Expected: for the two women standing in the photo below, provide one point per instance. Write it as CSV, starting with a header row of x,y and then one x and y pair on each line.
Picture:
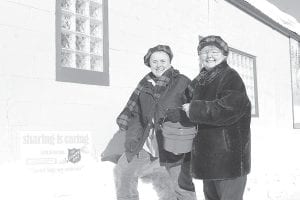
x,y
215,102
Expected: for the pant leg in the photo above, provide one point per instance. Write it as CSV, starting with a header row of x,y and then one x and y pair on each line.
x,y
185,179
160,179
210,190
126,176
150,167
231,189
181,194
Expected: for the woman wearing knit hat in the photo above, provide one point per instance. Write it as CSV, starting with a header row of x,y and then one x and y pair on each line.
x,y
220,108
140,121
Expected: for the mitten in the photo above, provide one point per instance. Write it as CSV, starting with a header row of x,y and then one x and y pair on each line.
x,y
173,115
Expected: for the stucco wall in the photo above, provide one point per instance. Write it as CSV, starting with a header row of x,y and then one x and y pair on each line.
x,y
31,99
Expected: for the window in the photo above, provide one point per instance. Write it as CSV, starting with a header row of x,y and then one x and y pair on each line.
x,y
295,70
82,41
245,65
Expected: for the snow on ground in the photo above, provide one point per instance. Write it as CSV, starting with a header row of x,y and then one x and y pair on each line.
x,y
93,182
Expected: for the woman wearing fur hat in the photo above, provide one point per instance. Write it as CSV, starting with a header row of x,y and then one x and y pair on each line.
x,y
140,120
222,111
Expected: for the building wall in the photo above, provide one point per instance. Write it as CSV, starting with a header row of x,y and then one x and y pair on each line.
x,y
31,99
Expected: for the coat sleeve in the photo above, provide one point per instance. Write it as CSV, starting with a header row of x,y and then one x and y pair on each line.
x,y
229,106
185,97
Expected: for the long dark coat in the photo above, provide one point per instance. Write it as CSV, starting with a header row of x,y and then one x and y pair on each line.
x,y
222,111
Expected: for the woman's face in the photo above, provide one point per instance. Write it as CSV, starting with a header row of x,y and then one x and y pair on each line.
x,y
210,56
159,63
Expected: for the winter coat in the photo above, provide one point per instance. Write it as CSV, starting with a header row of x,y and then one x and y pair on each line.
x,y
152,108
222,111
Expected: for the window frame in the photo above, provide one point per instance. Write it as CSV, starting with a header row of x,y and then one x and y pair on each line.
x,y
254,73
74,75
295,80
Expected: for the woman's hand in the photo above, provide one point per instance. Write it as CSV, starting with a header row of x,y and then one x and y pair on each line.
x,y
173,115
186,109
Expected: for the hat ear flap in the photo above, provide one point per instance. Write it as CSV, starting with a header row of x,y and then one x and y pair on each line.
x,y
147,58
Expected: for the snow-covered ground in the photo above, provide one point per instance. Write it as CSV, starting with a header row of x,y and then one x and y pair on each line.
x,y
94,181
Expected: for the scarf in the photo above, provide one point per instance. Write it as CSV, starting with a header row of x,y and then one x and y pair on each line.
x,y
206,76
161,84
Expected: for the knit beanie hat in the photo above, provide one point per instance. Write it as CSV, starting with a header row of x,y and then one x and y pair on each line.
x,y
215,41
164,48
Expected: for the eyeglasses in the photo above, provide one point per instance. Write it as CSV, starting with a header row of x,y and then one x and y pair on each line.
x,y
212,52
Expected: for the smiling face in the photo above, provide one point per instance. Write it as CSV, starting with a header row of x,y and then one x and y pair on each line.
x,y
159,63
210,56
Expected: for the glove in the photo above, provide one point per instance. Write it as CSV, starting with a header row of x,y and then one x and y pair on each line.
x,y
173,115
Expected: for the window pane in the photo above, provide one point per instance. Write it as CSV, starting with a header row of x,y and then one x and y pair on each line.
x,y
67,59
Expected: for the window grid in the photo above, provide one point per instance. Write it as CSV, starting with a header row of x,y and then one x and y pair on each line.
x,y
82,43
245,65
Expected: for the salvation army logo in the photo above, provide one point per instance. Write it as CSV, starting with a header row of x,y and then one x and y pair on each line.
x,y
74,155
